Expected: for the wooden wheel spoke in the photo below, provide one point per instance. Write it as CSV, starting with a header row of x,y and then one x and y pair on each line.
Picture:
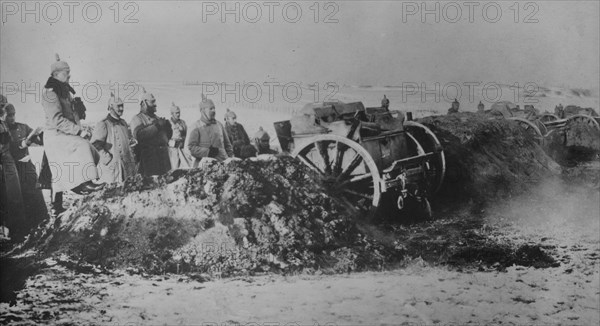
x,y
356,179
310,164
359,194
360,177
339,154
347,171
322,149
356,160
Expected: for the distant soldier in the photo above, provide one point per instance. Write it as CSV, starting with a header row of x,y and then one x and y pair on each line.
x,y
112,138
455,107
480,107
262,140
152,134
177,141
238,137
208,137
559,111
530,112
385,103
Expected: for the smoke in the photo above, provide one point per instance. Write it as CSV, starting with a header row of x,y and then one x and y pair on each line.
x,y
554,210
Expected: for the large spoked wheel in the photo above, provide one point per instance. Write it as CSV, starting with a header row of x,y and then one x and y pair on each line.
x,y
581,119
436,166
347,170
531,128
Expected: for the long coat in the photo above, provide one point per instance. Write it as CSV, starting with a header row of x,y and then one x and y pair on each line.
x,y
11,200
179,133
152,150
113,136
238,138
179,160
204,136
33,199
72,157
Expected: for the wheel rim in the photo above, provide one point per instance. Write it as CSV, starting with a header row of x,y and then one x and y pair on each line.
x,y
346,170
583,119
429,143
531,128
541,127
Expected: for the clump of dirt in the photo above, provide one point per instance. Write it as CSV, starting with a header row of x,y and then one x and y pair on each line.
x,y
468,243
502,256
487,159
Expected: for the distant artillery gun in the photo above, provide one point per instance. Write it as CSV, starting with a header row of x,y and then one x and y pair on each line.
x,y
526,118
569,117
362,155
542,125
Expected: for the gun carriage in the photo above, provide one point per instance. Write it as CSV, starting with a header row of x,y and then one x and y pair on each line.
x,y
366,155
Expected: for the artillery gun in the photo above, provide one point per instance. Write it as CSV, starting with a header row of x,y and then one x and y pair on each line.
x,y
542,125
365,156
526,118
568,117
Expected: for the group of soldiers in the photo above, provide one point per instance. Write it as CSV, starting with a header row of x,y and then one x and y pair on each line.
x,y
82,161
529,110
455,107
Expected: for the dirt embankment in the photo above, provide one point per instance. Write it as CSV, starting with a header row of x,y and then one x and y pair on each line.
x,y
487,159
225,218
577,143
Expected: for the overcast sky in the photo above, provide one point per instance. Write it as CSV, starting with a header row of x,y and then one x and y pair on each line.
x,y
372,42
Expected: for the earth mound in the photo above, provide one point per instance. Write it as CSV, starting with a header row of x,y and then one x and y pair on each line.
x,y
578,143
243,216
487,159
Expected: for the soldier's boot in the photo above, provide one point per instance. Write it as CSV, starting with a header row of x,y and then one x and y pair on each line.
x,y
56,206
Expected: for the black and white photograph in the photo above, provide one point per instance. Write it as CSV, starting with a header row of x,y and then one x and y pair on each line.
x,y
302,162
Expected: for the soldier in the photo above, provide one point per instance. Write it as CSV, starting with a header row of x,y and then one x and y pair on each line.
x,y
531,112
152,134
385,103
112,138
177,141
454,108
559,111
11,199
22,136
238,137
65,140
262,142
480,107
208,137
